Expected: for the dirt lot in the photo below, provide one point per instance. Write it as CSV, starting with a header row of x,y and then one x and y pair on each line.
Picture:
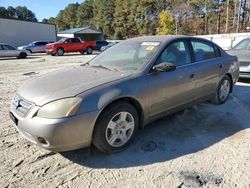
x,y
203,146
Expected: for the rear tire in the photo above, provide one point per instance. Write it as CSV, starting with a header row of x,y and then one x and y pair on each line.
x,y
89,50
116,127
60,51
223,90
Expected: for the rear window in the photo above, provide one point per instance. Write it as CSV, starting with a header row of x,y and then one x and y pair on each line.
x,y
243,45
75,40
204,51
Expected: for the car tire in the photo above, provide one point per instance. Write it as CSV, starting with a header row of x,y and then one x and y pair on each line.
x,y
116,127
223,90
60,51
89,50
22,55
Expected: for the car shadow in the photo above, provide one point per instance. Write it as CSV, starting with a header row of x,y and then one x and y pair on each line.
x,y
17,59
171,137
78,54
244,80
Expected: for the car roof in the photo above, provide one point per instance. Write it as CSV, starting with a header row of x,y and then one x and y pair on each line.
x,y
159,38
163,38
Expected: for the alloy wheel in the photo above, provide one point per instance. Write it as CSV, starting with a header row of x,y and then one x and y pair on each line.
x,y
120,129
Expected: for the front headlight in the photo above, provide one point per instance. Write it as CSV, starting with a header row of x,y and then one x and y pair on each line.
x,y
61,108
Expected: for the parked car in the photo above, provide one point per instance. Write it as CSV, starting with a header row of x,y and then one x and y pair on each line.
x,y
242,51
100,44
105,101
66,45
108,46
9,51
35,47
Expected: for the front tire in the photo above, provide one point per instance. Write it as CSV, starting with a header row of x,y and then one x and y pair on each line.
x,y
116,127
60,51
223,90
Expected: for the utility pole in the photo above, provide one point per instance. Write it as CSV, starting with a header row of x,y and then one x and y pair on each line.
x,y
226,30
238,20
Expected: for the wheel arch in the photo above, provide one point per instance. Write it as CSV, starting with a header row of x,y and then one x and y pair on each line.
x,y
59,47
231,79
131,100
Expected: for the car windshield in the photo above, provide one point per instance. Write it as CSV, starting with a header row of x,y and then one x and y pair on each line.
x,y
127,56
61,40
243,45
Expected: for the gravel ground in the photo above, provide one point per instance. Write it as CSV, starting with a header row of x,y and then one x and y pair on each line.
x,y
203,146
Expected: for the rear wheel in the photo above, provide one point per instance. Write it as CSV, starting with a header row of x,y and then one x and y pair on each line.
x,y
116,127
60,51
223,90
89,50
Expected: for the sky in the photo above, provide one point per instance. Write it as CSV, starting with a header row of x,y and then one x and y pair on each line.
x,y
41,8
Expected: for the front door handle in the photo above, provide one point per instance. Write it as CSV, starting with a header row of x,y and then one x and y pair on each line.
x,y
221,65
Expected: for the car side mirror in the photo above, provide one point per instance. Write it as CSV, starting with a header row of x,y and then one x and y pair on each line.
x,y
164,67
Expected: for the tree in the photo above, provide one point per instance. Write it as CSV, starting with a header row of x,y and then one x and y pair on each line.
x,y
166,23
11,12
85,13
23,13
3,12
104,16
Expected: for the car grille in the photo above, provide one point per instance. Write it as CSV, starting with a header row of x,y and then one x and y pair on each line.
x,y
21,106
244,63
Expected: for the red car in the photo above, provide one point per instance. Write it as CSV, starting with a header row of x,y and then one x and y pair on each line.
x,y
66,45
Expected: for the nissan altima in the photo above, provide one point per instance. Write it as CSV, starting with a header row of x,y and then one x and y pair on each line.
x,y
106,101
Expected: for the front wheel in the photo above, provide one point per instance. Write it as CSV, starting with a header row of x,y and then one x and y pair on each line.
x,y
116,127
223,90
60,51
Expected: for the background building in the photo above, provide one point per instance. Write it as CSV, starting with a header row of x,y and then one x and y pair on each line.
x,y
85,33
17,32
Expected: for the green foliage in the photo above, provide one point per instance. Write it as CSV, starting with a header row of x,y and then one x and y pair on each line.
x,y
121,19
104,16
166,23
21,13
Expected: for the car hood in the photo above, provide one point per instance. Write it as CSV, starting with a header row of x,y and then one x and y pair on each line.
x,y
66,83
241,54
21,47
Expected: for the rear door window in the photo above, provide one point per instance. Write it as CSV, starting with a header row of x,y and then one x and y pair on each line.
x,y
41,43
204,50
76,40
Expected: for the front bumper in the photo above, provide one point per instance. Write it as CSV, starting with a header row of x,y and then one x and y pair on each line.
x,y
56,134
